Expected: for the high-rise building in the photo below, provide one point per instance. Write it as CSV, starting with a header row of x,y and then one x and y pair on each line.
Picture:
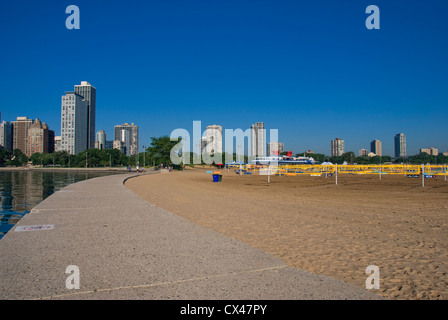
x,y
119,145
275,148
431,151
203,144
363,152
40,139
337,147
109,144
258,135
376,147
100,142
57,143
20,133
74,123
6,135
400,145
88,92
214,139
128,134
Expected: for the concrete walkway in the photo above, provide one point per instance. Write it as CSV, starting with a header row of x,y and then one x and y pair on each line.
x,y
127,248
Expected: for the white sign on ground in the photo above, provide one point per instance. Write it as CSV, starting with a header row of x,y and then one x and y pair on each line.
x,y
35,228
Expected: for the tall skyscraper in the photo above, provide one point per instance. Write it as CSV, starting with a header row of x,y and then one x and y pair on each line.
x,y
376,147
275,148
400,145
214,139
6,135
337,147
74,123
258,135
88,91
128,134
20,133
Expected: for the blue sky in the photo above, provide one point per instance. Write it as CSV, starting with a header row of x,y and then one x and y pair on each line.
x,y
310,69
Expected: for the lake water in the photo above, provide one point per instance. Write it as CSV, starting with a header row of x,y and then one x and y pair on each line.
x,y
21,190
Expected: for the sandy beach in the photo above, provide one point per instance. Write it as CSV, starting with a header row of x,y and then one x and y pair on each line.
x,y
315,225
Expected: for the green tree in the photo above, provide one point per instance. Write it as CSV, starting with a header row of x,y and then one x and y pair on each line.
x,y
18,158
5,156
160,150
348,157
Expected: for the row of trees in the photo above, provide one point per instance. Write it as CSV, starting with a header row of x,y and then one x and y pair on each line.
x,y
349,157
159,152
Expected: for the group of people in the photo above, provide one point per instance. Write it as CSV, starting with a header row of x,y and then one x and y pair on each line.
x,y
142,169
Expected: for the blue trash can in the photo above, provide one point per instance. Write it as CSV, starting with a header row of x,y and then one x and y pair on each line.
x,y
215,178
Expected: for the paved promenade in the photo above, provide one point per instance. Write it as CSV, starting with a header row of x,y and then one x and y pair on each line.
x,y
127,248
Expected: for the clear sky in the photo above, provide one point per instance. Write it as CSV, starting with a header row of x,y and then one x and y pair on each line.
x,y
310,69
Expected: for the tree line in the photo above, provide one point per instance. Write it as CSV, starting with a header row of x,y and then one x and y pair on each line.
x,y
351,158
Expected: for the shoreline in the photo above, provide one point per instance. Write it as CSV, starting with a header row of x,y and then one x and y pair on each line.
x,y
152,255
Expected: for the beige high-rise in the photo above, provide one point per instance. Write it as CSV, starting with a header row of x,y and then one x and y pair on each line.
x,y
20,133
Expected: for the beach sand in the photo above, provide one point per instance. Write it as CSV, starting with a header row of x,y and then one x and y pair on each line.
x,y
315,225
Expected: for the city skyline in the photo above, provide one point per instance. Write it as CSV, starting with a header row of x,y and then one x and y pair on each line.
x,y
337,145
312,71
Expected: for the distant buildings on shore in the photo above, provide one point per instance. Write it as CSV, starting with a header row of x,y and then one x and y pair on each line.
x,y
212,141
27,135
275,148
128,135
376,147
400,145
258,143
78,117
431,151
74,123
337,147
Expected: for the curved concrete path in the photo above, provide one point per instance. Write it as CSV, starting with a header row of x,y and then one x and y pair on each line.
x,y
127,248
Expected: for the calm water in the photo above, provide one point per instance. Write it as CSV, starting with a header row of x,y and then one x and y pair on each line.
x,y
20,191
